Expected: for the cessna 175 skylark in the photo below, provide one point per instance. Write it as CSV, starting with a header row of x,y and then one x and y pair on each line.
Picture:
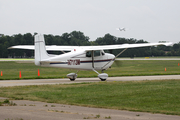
x,y
80,57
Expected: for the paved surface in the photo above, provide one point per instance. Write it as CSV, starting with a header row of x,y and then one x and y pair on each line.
x,y
33,110
5,83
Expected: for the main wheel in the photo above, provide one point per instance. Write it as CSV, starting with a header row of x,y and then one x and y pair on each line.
x,y
103,79
72,79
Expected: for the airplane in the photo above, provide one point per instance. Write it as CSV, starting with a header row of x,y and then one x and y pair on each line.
x,y
80,57
121,29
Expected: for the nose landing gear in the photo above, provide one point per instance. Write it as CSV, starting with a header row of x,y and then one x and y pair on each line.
x,y
102,76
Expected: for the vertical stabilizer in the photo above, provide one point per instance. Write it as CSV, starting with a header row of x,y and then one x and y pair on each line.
x,y
40,49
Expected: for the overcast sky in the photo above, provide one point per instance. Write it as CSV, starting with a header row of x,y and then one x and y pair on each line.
x,y
150,20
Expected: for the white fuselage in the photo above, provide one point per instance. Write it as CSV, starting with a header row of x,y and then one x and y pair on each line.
x,y
80,60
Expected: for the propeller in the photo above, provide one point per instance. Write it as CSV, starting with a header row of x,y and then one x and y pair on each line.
x,y
118,63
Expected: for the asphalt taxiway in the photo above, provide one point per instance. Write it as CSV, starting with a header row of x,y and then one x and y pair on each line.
x,y
6,83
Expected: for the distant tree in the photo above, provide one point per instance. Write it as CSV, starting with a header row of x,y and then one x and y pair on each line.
x,y
78,38
106,40
28,39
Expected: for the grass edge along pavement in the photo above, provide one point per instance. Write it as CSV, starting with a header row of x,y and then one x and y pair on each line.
x,y
142,96
11,69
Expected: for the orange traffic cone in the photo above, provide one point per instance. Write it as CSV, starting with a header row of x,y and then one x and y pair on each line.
x,y
1,73
38,73
178,64
19,74
165,69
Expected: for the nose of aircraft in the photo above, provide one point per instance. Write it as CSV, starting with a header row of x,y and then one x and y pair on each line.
x,y
111,56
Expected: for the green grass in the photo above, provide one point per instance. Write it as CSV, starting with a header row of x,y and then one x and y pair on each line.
x,y
145,96
11,69
145,67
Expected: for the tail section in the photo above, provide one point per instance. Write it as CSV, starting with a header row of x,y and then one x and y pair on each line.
x,y
40,49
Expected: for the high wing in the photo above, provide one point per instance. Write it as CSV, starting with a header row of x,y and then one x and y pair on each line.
x,y
49,48
124,46
89,48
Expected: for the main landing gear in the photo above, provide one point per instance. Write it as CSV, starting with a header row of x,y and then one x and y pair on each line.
x,y
72,76
102,76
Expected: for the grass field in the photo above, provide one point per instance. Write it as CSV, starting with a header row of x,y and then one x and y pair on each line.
x,y
145,96
10,69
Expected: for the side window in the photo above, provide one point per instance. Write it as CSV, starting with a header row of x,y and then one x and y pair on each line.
x,y
88,54
96,53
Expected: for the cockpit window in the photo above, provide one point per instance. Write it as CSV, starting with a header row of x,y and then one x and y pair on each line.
x,y
96,53
88,54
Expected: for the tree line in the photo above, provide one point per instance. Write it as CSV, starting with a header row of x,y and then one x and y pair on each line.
x,y
77,38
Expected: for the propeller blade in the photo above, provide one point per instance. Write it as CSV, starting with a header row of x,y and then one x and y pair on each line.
x,y
118,63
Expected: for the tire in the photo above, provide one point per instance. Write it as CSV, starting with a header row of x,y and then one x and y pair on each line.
x,y
103,79
72,79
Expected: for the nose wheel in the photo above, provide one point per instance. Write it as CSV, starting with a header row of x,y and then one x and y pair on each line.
x,y
102,76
